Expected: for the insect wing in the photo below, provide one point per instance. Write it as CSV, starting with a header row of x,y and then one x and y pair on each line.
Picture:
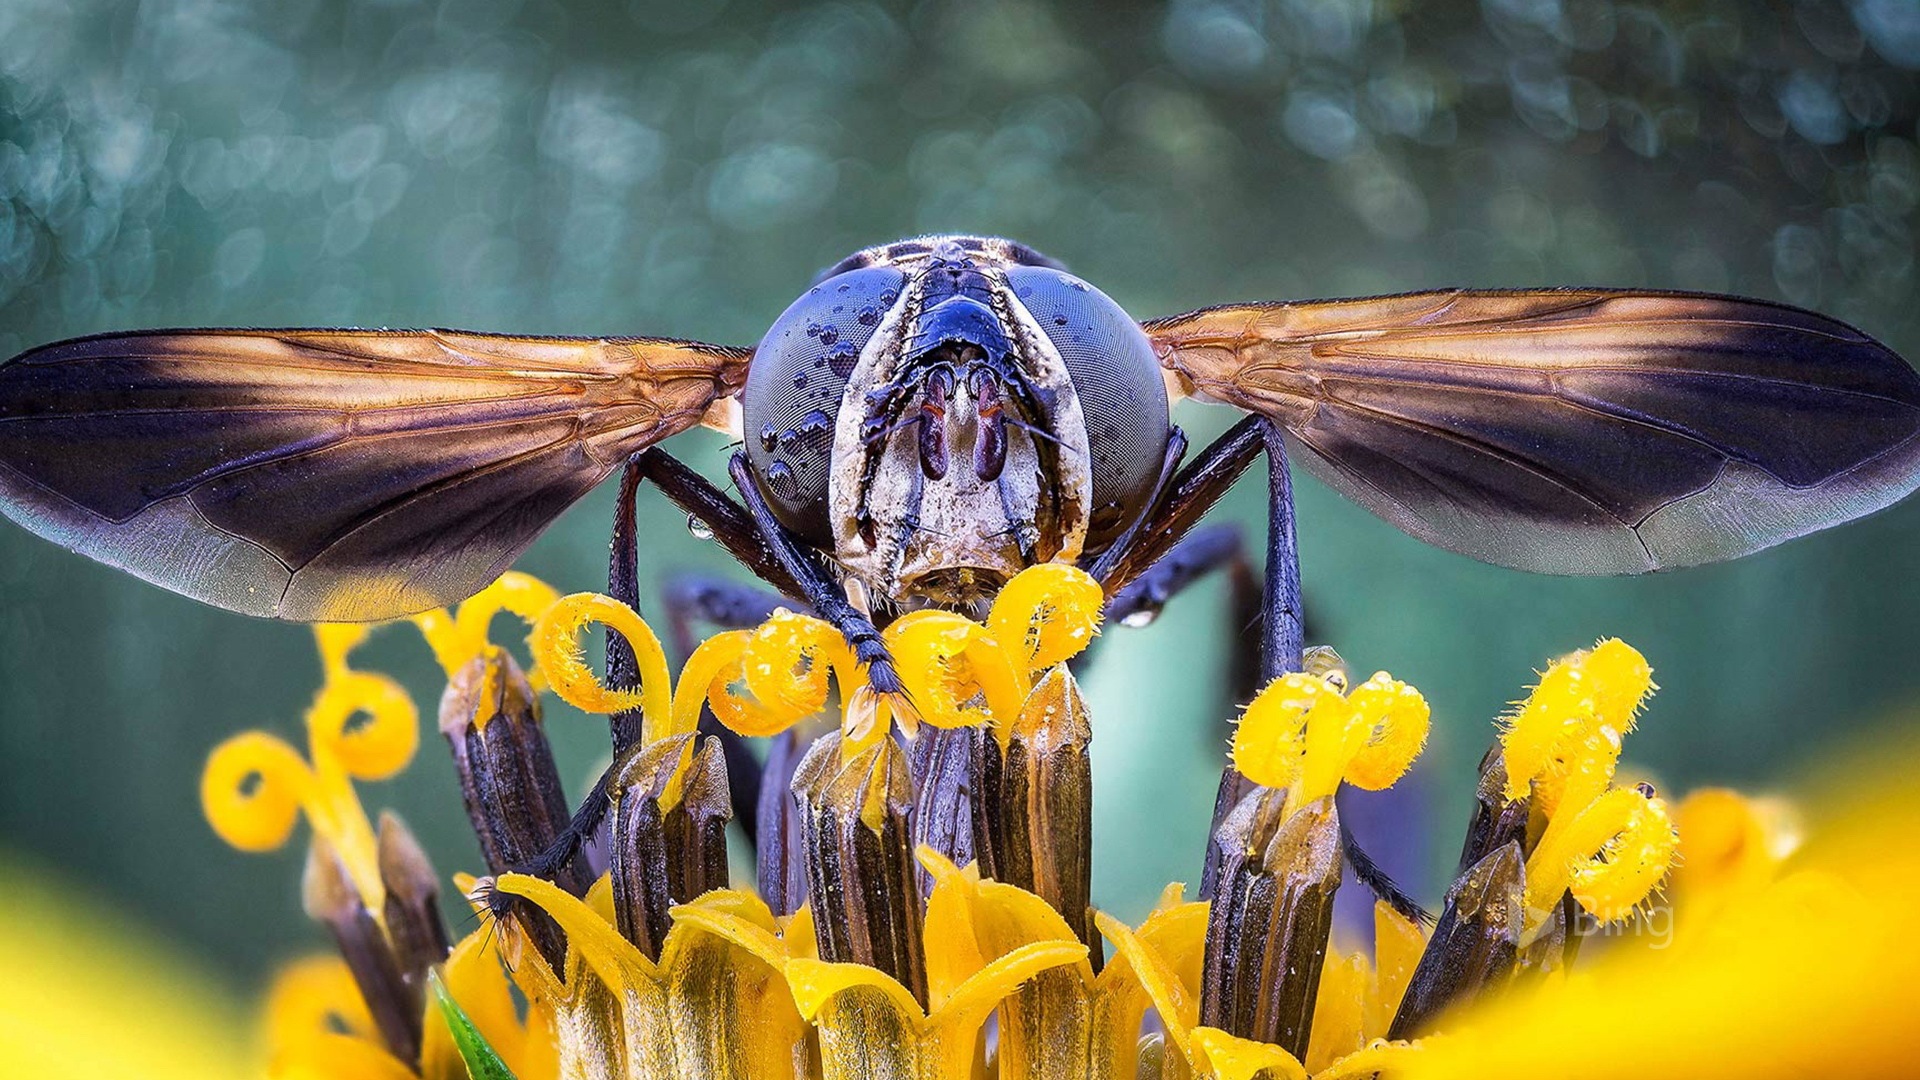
x,y
330,475
1572,431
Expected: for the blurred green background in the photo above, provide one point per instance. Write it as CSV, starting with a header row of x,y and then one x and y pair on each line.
x,y
682,167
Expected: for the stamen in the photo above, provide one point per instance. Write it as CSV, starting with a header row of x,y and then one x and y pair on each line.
x,y
1474,945
508,779
1034,800
414,926
1270,920
862,877
328,896
670,811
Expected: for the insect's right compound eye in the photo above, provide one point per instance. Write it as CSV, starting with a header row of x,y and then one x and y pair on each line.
x,y
792,398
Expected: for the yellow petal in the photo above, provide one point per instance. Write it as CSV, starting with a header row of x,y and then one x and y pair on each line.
x,y
817,982
1178,1007
613,958
87,995
1229,1057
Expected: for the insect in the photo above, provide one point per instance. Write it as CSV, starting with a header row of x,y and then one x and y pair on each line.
x,y
935,414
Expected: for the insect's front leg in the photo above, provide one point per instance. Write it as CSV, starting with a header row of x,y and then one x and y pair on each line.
x,y
817,587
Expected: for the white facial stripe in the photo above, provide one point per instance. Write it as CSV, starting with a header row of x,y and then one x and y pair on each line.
x,y
923,526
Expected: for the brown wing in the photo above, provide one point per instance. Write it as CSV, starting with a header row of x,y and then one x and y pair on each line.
x,y
330,474
1563,431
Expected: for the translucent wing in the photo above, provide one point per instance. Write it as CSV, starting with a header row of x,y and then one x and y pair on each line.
x,y
330,474
1572,431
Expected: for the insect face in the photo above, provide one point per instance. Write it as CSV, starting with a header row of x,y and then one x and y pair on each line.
x,y
960,449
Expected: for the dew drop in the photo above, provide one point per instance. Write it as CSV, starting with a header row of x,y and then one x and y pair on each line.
x,y
769,435
1135,620
799,380
841,360
698,528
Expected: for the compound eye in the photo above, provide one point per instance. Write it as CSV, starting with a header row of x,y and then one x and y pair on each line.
x,y
791,402
1117,377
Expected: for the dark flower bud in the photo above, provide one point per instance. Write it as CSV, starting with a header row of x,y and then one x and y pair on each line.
x,y
329,898
670,811
858,847
414,926
491,719
1033,822
1271,916
1474,945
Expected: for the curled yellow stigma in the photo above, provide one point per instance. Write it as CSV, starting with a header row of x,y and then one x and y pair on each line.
x,y
361,726
458,636
957,672
961,673
1302,734
1610,847
1569,728
1611,854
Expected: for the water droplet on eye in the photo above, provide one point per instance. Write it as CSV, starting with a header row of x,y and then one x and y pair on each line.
x,y
1134,620
844,287
780,474
789,442
1059,320
825,333
698,528
889,297
815,423
799,380
869,315
769,435
841,360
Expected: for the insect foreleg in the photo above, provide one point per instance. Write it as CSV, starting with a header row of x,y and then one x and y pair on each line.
x,y
1183,501
733,528
817,587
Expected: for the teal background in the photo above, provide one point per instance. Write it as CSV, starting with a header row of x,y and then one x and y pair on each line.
x,y
683,168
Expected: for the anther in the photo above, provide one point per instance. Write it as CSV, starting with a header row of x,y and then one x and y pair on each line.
x,y
1033,821
1474,945
670,811
328,897
508,779
414,926
858,848
1271,917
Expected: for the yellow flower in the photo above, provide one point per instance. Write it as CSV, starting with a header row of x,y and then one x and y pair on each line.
x,y
658,971
710,1007
1805,968
86,994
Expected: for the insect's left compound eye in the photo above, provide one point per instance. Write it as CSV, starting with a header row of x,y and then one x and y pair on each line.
x,y
792,397
1117,378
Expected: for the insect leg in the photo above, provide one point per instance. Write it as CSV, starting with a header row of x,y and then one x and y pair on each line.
x,y
732,526
817,587
736,532
1192,492
1185,498
1217,548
